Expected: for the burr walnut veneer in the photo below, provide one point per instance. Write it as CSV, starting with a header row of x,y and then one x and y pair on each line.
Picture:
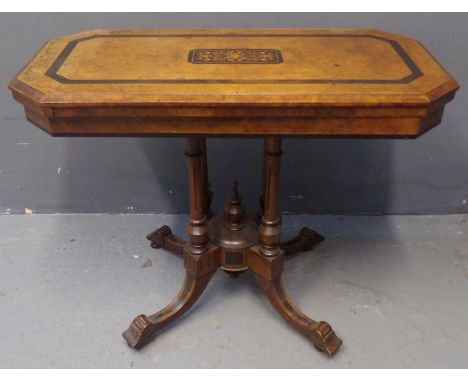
x,y
227,82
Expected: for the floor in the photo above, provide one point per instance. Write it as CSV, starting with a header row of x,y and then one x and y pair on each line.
x,y
393,288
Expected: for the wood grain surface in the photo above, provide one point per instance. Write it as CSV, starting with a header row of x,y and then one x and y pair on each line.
x,y
234,82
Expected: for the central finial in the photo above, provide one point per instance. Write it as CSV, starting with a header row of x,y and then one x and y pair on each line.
x,y
234,210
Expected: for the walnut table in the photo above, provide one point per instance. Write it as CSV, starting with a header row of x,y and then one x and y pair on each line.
x,y
238,83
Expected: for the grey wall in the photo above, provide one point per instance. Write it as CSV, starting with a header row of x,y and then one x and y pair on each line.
x,y
141,175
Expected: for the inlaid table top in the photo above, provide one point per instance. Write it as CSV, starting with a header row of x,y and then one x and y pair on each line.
x,y
349,82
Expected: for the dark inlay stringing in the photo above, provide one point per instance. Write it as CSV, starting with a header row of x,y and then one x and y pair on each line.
x,y
52,72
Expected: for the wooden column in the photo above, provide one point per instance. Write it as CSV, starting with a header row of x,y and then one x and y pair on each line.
x,y
270,228
197,228
261,197
207,194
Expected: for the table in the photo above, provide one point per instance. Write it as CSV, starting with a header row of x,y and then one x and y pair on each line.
x,y
201,83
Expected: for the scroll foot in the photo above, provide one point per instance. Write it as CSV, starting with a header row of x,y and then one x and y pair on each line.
x,y
144,328
304,241
325,339
199,270
320,333
141,331
164,238
268,272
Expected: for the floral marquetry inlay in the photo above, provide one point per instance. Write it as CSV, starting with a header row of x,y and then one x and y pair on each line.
x,y
235,56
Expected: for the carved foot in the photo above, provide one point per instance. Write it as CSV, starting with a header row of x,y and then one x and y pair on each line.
x,y
141,330
304,241
164,238
268,272
324,338
144,328
320,333
199,270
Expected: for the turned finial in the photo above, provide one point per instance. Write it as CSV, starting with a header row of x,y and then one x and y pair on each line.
x,y
234,209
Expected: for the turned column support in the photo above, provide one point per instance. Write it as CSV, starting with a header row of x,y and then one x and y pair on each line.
x,y
261,196
270,227
207,194
233,243
197,228
201,259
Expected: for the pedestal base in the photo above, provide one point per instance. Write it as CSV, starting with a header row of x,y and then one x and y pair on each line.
x,y
235,244
304,241
267,272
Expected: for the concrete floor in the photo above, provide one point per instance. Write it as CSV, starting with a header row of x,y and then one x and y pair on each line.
x,y
394,289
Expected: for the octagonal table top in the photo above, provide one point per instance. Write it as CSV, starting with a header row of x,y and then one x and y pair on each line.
x,y
349,82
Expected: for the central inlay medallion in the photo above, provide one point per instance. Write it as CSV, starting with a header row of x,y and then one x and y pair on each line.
x,y
235,56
